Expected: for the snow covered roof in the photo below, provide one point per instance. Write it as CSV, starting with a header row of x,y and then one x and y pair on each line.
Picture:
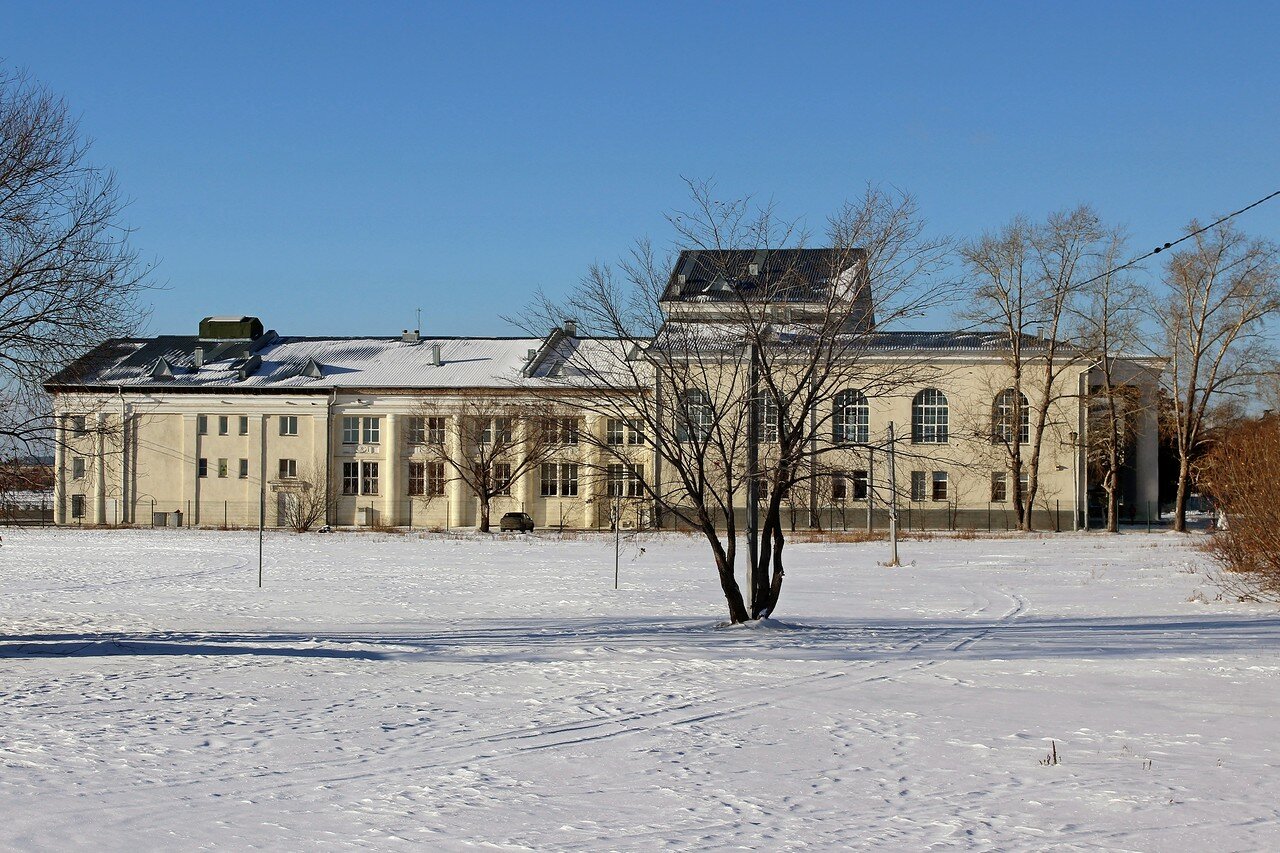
x,y
303,364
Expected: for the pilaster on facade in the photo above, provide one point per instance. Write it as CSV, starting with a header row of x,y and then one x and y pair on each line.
x,y
457,487
60,470
395,465
100,470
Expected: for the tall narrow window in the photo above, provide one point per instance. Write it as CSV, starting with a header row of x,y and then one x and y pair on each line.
x,y
371,431
224,424
939,486
767,415
351,478
850,418
696,416
368,478
77,506
244,424
417,479
501,478
1010,407
202,424
999,487
223,469
859,485
919,484
435,479
929,416
839,488
202,467
77,468
244,469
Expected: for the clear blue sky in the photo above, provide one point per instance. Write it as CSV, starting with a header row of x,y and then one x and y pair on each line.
x,y
331,167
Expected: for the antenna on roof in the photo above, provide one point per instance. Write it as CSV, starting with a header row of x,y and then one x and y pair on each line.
x,y
417,313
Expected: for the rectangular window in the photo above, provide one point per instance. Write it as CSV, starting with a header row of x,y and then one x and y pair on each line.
x,y
288,469
999,487
839,488
244,424
435,430
501,478
288,424
559,479
918,481
859,485
561,432
369,478
202,467
625,481
939,485
223,469
416,433
202,424
496,431
351,478
371,431
224,424
77,506
435,479
244,469
618,431
417,479
350,431
78,425
77,468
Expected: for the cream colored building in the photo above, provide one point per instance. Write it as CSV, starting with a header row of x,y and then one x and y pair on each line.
x,y
233,422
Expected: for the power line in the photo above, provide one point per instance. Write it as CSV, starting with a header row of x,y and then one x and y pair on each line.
x,y
1158,249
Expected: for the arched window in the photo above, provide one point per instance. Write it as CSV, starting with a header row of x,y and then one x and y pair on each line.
x,y
695,415
850,418
929,417
1010,406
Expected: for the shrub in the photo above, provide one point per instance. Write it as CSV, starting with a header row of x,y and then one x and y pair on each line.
x,y
1241,474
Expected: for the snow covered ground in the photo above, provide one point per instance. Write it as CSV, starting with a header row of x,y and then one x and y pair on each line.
x,y
384,690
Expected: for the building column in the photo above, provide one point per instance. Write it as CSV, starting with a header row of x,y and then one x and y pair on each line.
x,y
395,485
457,488
100,471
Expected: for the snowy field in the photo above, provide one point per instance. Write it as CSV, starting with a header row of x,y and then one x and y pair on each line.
x,y
385,691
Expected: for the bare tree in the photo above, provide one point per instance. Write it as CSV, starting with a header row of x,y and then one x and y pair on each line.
x,y
1220,294
305,499
1109,317
68,278
1027,280
494,443
766,343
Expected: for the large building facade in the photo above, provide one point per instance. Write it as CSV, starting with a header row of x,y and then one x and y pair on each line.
x,y
238,424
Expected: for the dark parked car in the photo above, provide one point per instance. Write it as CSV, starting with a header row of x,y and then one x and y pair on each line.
x,y
520,522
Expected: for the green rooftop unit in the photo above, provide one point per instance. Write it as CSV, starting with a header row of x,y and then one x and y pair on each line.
x,y
230,328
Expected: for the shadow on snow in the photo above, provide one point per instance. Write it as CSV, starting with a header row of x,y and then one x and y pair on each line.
x,y
538,640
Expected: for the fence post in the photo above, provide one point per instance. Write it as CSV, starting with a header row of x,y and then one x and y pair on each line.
x,y
1148,516
988,516
1057,516
153,512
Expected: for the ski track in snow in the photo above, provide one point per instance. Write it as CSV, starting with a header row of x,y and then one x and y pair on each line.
x,y
463,693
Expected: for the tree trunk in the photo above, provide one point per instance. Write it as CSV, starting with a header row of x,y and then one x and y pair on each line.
x,y
1113,502
1184,485
728,583
484,515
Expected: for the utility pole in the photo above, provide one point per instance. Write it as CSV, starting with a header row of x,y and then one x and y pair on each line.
x,y
262,496
871,465
893,501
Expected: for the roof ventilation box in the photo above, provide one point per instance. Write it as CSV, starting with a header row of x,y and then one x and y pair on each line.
x,y
230,328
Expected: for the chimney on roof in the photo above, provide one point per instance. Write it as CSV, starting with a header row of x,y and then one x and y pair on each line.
x,y
435,354
570,328
197,358
410,337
